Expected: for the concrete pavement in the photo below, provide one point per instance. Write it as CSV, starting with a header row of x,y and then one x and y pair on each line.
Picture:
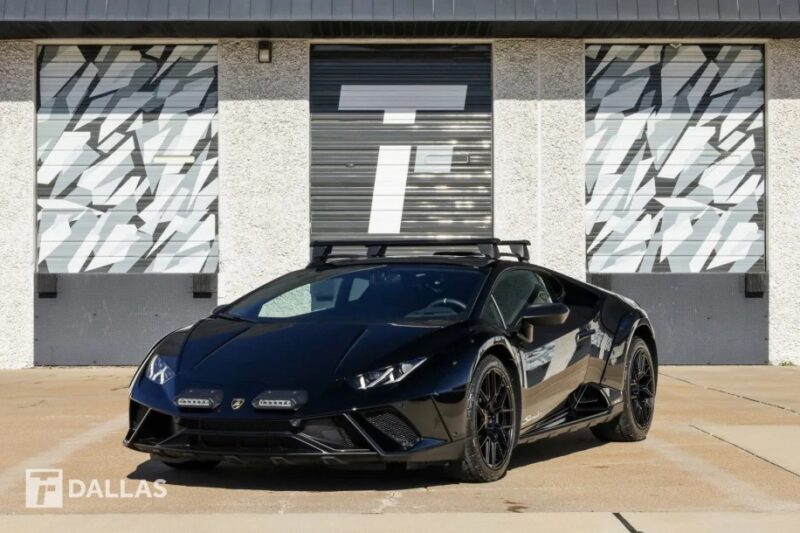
x,y
722,454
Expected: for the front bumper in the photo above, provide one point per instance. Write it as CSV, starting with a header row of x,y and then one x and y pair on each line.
x,y
377,435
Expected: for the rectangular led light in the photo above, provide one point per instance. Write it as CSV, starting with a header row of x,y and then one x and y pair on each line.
x,y
290,400
199,398
193,402
273,404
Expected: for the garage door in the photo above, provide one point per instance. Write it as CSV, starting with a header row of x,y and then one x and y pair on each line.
x,y
675,191
401,141
675,158
126,198
127,159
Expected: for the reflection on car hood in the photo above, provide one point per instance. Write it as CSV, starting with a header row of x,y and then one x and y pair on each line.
x,y
287,355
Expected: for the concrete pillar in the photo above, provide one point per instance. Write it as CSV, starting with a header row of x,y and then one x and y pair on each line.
x,y
264,159
539,178
17,202
561,172
516,141
783,198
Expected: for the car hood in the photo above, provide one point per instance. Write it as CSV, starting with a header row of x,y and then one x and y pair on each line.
x,y
252,357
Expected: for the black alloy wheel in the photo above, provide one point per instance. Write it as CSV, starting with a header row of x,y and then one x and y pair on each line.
x,y
639,398
494,418
642,388
492,423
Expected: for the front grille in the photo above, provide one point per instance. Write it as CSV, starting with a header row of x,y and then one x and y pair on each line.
x,y
211,424
393,426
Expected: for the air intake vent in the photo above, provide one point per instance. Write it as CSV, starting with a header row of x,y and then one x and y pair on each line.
x,y
394,427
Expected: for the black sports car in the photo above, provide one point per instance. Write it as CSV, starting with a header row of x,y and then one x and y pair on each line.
x,y
452,357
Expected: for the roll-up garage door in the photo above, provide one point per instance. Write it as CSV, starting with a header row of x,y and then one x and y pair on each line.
x,y
126,198
401,141
675,158
127,159
675,192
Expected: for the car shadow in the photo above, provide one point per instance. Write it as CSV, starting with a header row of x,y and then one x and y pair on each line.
x,y
321,478
553,448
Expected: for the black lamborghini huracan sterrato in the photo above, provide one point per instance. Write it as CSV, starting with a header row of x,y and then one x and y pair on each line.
x,y
451,357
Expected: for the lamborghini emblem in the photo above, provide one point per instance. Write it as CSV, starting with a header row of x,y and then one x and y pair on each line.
x,y
237,403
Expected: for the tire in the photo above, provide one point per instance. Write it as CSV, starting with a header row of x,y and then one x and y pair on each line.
x,y
492,424
639,395
188,465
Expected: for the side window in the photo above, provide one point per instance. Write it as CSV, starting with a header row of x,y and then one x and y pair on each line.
x,y
516,290
490,313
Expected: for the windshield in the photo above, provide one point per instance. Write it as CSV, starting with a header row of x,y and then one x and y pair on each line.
x,y
383,293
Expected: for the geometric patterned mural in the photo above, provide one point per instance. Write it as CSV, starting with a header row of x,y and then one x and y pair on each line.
x,y
127,172
675,169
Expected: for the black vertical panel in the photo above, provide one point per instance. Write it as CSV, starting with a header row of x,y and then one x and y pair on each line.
x,y
345,143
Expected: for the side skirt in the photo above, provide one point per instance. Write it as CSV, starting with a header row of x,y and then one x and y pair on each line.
x,y
569,427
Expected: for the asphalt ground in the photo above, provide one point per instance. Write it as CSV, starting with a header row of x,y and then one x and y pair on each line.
x,y
723,455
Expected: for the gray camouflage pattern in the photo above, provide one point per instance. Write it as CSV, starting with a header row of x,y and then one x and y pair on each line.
x,y
675,158
127,171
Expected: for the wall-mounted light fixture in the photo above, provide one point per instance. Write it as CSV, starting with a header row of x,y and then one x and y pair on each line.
x,y
264,52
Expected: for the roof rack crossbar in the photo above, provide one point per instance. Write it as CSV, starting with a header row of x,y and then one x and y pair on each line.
x,y
321,251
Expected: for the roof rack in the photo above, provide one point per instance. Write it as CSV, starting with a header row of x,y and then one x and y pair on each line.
x,y
322,251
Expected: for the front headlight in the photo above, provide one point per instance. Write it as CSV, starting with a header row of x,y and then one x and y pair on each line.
x,y
158,371
385,376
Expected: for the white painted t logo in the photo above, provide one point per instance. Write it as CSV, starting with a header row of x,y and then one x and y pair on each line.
x,y
400,104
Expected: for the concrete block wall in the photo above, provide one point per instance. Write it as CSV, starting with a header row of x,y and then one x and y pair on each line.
x,y
17,202
264,223
538,149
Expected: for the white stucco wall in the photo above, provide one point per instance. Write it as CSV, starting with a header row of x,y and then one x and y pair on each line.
x,y
264,160
17,202
783,199
538,149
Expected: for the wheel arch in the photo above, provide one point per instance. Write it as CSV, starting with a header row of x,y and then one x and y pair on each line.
x,y
645,332
499,348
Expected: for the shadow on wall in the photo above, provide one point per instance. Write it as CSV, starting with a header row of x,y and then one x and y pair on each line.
x,y
320,478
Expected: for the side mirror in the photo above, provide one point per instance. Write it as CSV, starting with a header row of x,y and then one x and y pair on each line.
x,y
218,309
546,315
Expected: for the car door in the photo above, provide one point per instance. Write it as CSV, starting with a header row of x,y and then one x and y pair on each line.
x,y
548,377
